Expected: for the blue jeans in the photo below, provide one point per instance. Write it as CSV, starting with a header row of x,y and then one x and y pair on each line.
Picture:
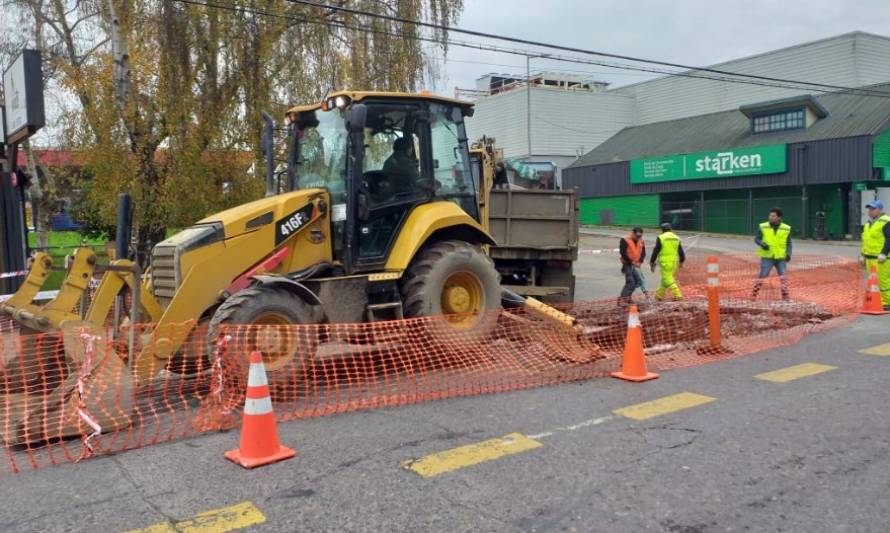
x,y
766,265
640,279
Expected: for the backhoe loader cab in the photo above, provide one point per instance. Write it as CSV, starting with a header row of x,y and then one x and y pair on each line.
x,y
347,145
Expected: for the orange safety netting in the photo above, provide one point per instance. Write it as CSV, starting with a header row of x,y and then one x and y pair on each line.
x,y
68,396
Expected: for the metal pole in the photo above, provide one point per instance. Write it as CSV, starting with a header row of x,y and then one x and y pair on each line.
x,y
751,211
122,244
134,313
124,226
701,210
805,223
528,103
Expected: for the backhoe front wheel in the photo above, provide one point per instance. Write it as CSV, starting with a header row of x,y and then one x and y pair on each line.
x,y
455,279
268,310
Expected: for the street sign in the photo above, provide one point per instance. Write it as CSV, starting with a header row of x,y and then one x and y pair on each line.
x,y
23,94
859,187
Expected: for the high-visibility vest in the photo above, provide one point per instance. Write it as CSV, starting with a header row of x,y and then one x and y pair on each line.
x,y
777,241
670,249
634,250
873,236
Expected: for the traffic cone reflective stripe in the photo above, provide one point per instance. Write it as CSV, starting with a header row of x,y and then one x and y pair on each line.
x,y
633,366
259,434
873,305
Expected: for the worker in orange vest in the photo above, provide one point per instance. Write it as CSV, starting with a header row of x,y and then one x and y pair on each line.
x,y
632,252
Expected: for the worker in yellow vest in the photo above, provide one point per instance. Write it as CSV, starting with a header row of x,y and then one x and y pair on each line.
x,y
774,239
876,247
669,254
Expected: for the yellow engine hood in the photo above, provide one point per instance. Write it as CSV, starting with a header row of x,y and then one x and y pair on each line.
x,y
254,215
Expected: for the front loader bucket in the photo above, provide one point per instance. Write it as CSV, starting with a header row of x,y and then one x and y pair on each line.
x,y
61,387
563,337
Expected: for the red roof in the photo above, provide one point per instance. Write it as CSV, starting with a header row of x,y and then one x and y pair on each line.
x,y
52,158
67,158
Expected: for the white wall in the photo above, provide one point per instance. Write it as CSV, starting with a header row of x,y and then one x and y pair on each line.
x,y
502,116
563,122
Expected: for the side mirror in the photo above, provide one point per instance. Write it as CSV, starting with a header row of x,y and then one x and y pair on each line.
x,y
356,116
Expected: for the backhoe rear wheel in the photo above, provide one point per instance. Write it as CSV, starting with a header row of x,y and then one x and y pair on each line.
x,y
456,279
275,308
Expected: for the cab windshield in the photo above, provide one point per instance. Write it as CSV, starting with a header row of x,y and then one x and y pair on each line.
x,y
321,161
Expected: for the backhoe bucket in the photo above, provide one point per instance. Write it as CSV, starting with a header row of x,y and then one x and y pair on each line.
x,y
56,388
62,308
38,271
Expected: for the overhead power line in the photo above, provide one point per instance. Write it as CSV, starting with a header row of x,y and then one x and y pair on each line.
x,y
691,72
452,29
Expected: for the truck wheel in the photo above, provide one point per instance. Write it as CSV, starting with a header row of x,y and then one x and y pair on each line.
x,y
456,279
273,307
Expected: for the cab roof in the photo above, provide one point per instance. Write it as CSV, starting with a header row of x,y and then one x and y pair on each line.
x,y
358,96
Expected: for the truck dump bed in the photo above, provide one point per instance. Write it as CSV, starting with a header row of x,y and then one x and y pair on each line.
x,y
537,236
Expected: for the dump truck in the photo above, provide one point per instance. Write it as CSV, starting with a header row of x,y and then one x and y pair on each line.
x,y
536,231
374,215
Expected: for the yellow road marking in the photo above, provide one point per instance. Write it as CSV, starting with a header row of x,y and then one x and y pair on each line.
x,y
229,518
472,454
663,406
791,373
880,349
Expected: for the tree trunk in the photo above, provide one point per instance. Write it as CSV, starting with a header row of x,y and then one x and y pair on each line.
x,y
120,54
38,212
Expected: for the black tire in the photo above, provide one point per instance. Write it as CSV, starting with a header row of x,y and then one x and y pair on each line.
x,y
433,270
274,306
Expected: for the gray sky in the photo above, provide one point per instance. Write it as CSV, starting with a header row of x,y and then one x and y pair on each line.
x,y
694,32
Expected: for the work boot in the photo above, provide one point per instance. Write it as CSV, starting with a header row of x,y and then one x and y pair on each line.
x,y
756,289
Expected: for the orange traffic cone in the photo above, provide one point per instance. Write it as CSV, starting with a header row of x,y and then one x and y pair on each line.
x,y
259,434
873,304
633,367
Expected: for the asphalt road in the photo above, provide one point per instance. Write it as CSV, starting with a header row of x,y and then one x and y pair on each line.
x,y
811,454
597,275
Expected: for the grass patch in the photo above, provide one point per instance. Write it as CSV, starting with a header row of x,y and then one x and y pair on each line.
x,y
62,243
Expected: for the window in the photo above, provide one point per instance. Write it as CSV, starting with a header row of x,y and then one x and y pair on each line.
x,y
452,173
777,121
322,160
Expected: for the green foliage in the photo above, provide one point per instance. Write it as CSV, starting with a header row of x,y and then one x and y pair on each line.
x,y
62,243
177,122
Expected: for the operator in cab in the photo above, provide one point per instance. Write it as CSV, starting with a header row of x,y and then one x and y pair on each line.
x,y
401,167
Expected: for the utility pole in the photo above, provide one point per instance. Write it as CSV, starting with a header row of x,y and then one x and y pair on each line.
x,y
528,103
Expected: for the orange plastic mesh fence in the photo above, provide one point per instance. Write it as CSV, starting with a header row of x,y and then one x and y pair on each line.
x,y
73,395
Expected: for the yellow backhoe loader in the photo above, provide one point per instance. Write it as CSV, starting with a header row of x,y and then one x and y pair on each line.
x,y
376,216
